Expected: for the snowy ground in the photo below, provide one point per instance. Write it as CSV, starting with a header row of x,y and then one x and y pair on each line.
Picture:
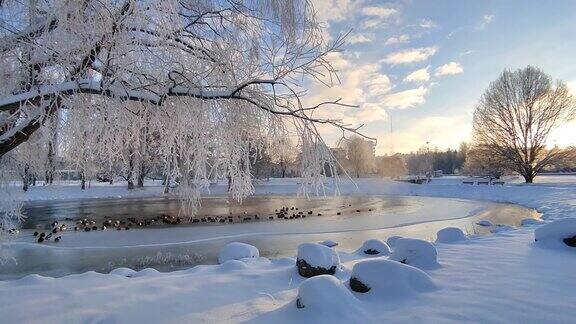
x,y
504,277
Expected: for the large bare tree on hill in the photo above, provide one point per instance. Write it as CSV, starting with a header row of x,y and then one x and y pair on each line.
x,y
515,117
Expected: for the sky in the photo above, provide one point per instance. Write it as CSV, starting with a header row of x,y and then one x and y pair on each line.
x,y
418,67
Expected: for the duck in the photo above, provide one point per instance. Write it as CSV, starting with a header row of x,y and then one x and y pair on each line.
x,y
57,239
36,233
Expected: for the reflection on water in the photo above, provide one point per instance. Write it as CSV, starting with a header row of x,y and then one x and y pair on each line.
x,y
273,239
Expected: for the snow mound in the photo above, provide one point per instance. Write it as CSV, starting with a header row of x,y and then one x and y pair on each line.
x,y
32,279
418,253
450,235
326,295
316,259
501,228
530,221
374,247
391,241
123,272
485,223
237,251
329,243
232,265
563,230
389,279
145,273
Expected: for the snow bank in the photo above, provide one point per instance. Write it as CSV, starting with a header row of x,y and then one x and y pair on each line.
x,y
232,265
316,259
485,223
325,295
391,241
450,235
374,247
501,228
237,251
562,230
418,253
123,272
389,279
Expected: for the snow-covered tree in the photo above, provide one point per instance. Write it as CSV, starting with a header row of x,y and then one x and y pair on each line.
x,y
359,155
211,79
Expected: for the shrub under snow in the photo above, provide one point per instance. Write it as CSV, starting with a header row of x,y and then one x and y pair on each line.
x,y
389,279
418,253
325,294
237,251
563,230
374,247
450,235
124,272
316,259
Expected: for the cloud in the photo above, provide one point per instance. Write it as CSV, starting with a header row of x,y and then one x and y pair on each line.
x,y
486,20
377,16
333,10
420,75
410,55
360,38
407,98
451,68
381,12
427,23
397,40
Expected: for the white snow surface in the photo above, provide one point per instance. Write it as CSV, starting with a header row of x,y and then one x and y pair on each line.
x,y
391,279
500,278
556,230
450,235
318,255
375,245
415,252
237,251
391,241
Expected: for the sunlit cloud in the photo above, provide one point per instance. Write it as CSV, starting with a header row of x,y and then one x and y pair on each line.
x,y
451,68
410,55
427,23
407,98
359,38
486,20
397,40
417,76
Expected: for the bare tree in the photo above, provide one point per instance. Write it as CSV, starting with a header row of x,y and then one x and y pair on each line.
x,y
359,155
516,115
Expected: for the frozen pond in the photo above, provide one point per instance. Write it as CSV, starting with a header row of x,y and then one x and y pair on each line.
x,y
174,247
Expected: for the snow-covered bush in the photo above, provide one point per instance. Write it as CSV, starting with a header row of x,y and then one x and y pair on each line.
x,y
450,235
326,294
418,253
232,265
237,251
562,230
374,247
501,228
485,223
389,279
315,259
391,241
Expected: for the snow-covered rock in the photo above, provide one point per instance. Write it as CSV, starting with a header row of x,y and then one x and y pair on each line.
x,y
391,241
315,259
374,247
530,221
124,272
144,273
325,294
389,279
562,230
450,235
418,253
329,243
232,265
485,223
237,251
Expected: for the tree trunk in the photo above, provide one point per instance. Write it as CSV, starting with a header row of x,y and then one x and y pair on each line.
x,y
141,175
528,178
83,182
25,179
